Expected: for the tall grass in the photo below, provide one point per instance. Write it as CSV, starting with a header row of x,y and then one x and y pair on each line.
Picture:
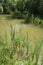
x,y
22,52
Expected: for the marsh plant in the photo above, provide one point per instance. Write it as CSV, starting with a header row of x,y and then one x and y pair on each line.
x,y
22,52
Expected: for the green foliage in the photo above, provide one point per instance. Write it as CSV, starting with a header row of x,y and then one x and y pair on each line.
x,y
18,15
1,9
33,6
40,8
28,17
37,20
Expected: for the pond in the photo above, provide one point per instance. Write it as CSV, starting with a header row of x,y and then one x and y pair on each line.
x,y
34,32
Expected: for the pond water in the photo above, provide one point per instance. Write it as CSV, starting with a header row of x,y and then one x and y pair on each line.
x,y
34,32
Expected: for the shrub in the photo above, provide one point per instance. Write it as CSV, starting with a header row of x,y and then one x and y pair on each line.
x,y
28,18
25,14
18,15
37,20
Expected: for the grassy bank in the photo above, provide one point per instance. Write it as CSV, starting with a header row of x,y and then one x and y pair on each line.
x,y
20,51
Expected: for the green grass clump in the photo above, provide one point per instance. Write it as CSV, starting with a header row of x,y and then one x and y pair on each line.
x,y
22,52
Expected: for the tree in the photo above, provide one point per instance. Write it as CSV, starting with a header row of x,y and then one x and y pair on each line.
x,y
1,9
41,7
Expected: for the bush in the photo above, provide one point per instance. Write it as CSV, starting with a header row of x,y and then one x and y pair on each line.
x,y
37,20
17,14
28,18
25,14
